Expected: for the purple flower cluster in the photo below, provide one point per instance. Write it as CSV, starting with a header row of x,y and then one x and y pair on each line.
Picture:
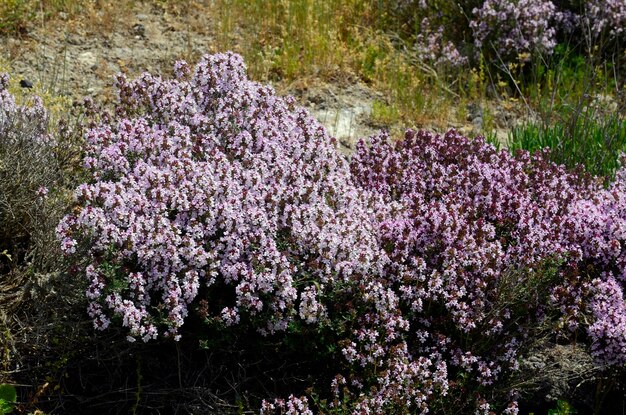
x,y
437,255
33,116
524,26
506,30
513,27
431,47
605,16
471,218
211,178
608,331
291,406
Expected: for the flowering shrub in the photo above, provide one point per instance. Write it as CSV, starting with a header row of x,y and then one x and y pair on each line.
x,y
605,17
514,27
438,28
431,47
601,230
211,180
473,216
431,262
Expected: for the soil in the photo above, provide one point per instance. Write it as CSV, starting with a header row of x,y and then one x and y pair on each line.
x,y
77,58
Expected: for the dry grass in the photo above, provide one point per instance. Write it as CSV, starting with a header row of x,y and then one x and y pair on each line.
x,y
335,41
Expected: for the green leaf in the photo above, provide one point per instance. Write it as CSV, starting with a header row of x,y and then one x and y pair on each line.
x,y
8,393
5,407
8,396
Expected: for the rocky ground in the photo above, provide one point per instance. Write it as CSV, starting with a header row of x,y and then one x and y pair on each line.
x,y
79,57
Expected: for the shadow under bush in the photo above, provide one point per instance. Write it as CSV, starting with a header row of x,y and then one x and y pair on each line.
x,y
223,371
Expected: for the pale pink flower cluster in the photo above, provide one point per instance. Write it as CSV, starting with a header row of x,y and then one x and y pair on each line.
x,y
291,406
431,47
212,177
605,16
474,218
519,27
428,252
514,27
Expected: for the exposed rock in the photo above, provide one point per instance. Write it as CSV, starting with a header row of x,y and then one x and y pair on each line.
x,y
343,110
477,122
87,59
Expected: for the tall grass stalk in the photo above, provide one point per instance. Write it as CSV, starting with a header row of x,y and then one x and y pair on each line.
x,y
594,141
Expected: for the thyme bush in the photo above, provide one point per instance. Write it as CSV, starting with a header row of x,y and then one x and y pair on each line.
x,y
432,262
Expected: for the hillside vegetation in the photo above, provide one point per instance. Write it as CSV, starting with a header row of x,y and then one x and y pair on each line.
x,y
182,233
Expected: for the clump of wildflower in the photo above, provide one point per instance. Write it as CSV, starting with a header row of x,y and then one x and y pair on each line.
x,y
608,331
30,168
432,259
291,406
213,178
605,17
515,27
432,47
42,192
470,216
